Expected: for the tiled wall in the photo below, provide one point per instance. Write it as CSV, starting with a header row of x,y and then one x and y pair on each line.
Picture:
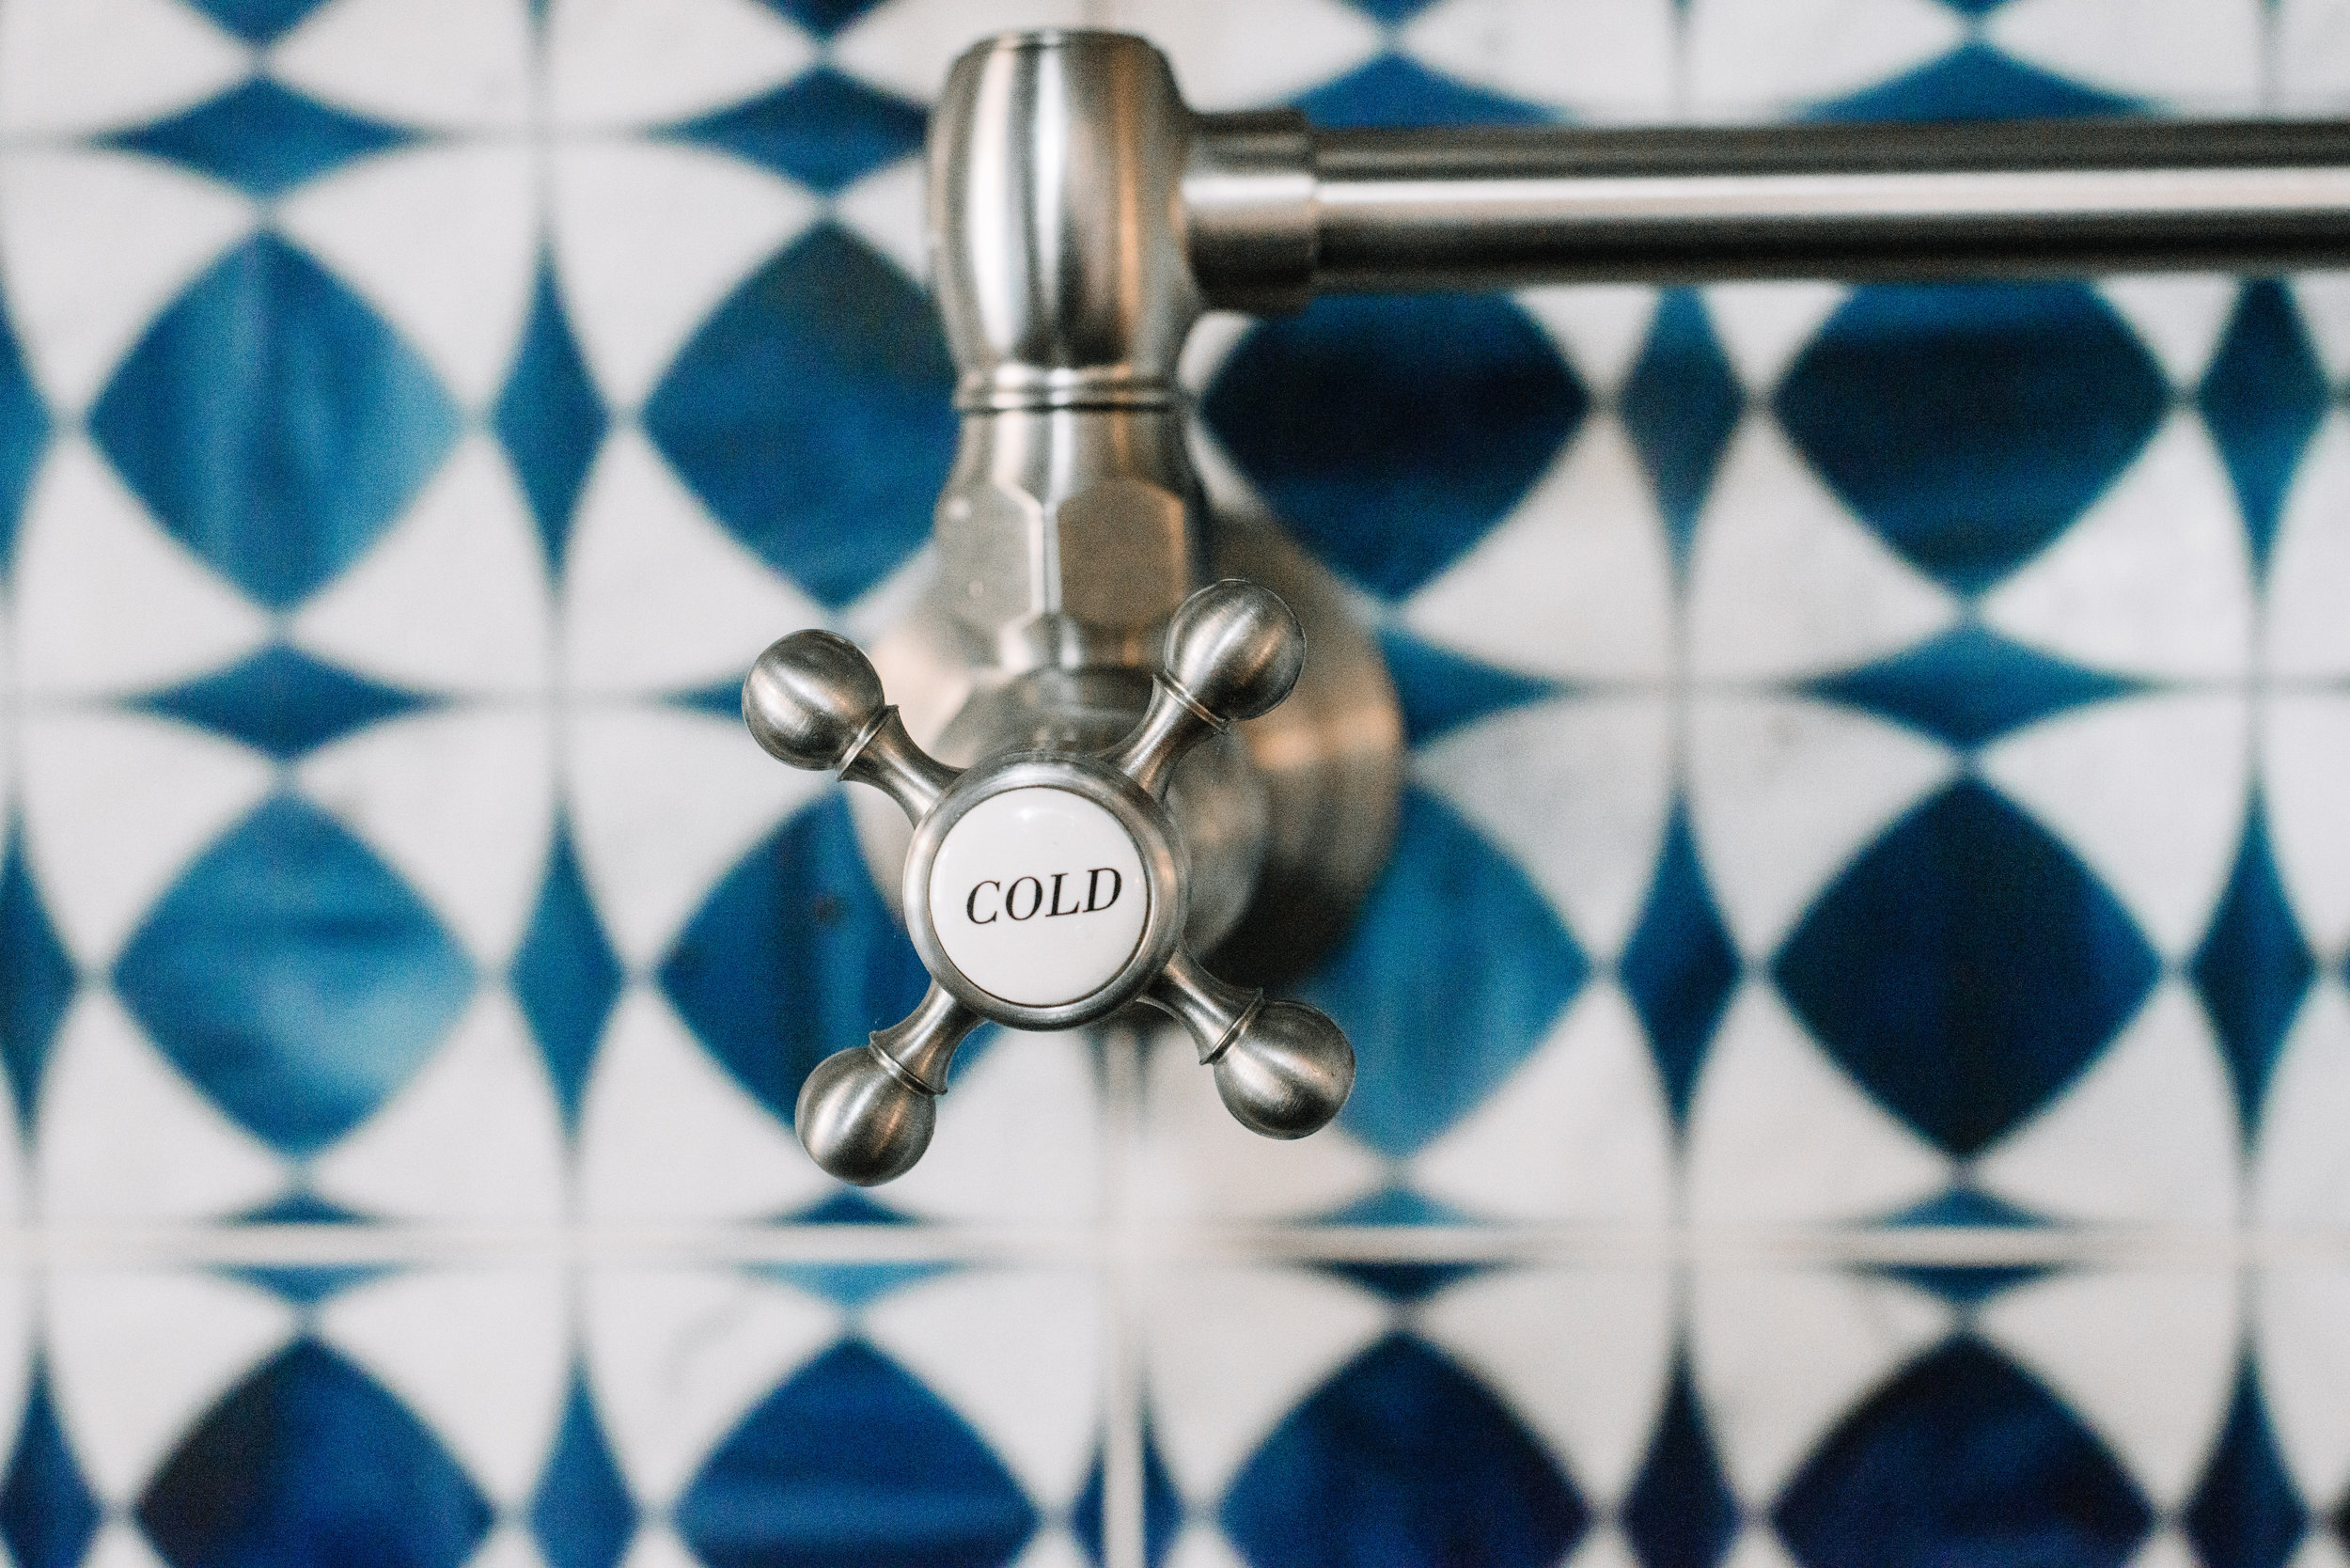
x,y
1855,1048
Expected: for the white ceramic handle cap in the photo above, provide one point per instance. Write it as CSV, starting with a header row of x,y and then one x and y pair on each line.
x,y
1039,897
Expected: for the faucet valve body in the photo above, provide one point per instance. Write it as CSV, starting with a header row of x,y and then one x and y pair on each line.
x,y
1046,890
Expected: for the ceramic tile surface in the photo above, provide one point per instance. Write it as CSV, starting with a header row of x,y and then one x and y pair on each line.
x,y
1854,1037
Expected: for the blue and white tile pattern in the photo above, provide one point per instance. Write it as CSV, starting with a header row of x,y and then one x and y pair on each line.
x,y
1854,1039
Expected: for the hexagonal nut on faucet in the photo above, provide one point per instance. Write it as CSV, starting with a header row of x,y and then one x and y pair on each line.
x,y
1067,524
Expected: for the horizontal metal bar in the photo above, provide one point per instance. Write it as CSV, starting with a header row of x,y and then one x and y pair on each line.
x,y
1395,210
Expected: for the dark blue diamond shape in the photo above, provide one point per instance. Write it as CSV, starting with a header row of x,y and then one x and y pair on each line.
x,y
308,1284
1971,685
822,17
298,1207
1976,82
1962,1460
2261,398
2253,968
283,701
719,699
24,436
263,138
1680,967
824,130
293,977
582,1510
1392,434
1974,8
854,1461
35,978
1440,690
792,957
1965,968
1393,90
813,414
1680,404
1162,1508
1455,970
1402,1457
549,416
1393,12
1681,1512
47,1512
305,1462
258,22
1969,426
565,975
273,423
2246,1514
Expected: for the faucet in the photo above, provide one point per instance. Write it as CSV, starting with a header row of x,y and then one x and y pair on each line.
x,y
1099,788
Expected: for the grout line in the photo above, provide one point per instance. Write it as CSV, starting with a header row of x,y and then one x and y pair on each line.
x,y
1124,1540
720,1244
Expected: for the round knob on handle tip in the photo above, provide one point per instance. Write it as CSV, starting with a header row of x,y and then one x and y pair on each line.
x,y
1235,649
860,1121
1287,1073
810,697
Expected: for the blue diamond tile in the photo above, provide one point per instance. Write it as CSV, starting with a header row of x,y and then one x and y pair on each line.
x,y
273,422
549,416
851,1285
565,975
1976,82
822,17
1969,685
1962,1460
582,1512
299,1207
1680,967
1974,8
1965,968
1394,14
813,414
1401,1457
1681,1512
283,701
1680,404
823,130
2253,968
37,978
1162,1508
47,1510
2246,1514
257,21
308,1461
1396,91
2262,400
854,1461
1454,972
305,1284
1440,690
719,699
263,138
1392,434
792,957
1964,1284
293,977
24,436
1969,425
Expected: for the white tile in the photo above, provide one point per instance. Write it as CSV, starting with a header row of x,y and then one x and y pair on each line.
x,y
2196,55
2305,765
1749,57
2154,580
76,66
1576,582
906,46
2150,791
1576,791
2092,1334
2313,55
451,65
1238,56
2297,1313
461,802
482,1355
623,63
1601,327
1611,60
2309,566
1778,1134
1018,1138
2301,1175
1192,1160
442,239
2178,317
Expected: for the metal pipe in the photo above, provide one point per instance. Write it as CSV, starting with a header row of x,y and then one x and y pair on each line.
x,y
1395,210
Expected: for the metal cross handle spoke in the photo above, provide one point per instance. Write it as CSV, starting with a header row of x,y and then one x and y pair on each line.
x,y
1046,890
